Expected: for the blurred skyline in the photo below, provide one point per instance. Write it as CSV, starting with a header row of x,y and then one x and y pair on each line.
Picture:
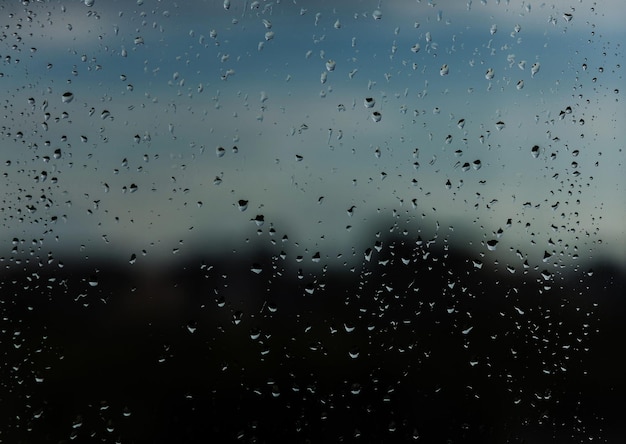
x,y
189,80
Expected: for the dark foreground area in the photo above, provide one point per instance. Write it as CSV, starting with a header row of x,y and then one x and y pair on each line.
x,y
413,345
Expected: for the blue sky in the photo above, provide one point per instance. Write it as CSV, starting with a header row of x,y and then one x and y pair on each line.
x,y
304,180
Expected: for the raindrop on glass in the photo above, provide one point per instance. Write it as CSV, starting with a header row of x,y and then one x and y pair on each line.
x,y
67,97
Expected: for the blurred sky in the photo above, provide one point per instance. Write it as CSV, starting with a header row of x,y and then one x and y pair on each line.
x,y
190,77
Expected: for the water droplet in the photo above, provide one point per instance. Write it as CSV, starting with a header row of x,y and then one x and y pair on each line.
x,y
237,317
535,151
105,114
330,65
369,102
568,17
477,164
337,24
269,35
520,84
493,29
89,3
376,116
67,97
192,326
226,5
461,123
444,70
138,40
93,281
354,353
242,205
377,14
534,69
489,74
492,244
500,125
415,48
259,220
220,151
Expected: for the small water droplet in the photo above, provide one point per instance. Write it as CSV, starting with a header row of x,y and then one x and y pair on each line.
x,y
237,317
444,70
259,220
67,97
330,65
500,125
534,69
242,205
535,151
520,84
369,102
492,244
376,116
489,74
377,14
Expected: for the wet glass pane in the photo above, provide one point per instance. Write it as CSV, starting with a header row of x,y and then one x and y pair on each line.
x,y
355,221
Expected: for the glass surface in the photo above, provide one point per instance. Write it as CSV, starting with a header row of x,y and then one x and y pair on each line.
x,y
316,221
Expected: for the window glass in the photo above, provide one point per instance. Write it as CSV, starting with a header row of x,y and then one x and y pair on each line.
x,y
369,221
